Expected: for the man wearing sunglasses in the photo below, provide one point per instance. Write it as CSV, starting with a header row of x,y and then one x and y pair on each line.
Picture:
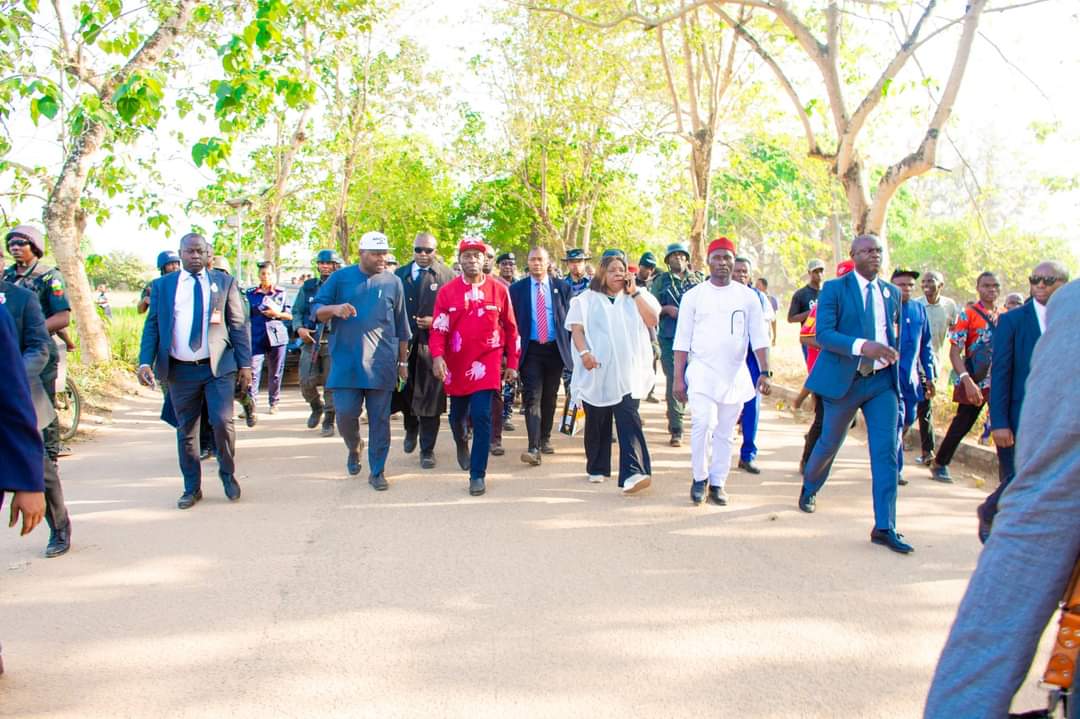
x,y
423,399
26,245
1015,337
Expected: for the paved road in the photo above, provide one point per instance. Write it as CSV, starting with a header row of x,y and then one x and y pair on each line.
x,y
316,596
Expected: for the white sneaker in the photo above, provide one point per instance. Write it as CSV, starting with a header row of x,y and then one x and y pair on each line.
x,y
596,478
635,483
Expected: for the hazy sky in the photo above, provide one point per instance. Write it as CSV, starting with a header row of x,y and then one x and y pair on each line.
x,y
1023,69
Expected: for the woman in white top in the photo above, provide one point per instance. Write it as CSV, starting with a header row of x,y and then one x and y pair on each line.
x,y
609,324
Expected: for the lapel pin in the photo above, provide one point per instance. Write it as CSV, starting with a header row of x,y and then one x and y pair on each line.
x,y
885,292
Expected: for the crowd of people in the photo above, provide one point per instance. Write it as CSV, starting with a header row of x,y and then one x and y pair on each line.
x,y
427,337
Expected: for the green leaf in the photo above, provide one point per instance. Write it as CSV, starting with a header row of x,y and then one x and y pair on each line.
x,y
128,107
199,153
885,86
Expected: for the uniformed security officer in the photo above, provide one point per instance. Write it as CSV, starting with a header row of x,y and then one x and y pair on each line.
x,y
26,246
167,261
668,288
315,352
369,349
575,270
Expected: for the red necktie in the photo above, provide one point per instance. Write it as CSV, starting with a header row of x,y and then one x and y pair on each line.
x,y
541,315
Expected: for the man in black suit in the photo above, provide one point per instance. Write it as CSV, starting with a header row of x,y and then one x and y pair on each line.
x,y
423,400
1014,340
540,306
197,339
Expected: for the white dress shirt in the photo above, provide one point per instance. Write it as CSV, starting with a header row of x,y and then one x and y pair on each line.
x,y
881,335
182,317
1040,314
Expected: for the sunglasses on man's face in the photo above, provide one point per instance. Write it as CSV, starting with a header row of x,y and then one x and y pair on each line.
x,y
423,250
1045,279
17,243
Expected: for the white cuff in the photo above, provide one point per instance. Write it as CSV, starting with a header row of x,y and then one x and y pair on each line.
x,y
856,347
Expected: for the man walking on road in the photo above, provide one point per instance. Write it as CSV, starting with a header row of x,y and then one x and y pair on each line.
x,y
369,350
1015,339
942,313
473,330
752,409
315,352
540,304
197,338
423,400
857,316
669,289
806,296
972,341
718,320
917,368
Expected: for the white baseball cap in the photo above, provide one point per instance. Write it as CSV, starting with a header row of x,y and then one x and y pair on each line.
x,y
374,241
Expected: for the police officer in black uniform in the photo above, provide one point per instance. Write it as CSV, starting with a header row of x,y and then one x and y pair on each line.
x,y
167,261
315,360
26,245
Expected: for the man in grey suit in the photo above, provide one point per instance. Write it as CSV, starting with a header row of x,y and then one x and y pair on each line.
x,y
197,340
1030,555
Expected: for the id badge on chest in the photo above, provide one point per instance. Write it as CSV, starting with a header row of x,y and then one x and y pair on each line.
x,y
215,317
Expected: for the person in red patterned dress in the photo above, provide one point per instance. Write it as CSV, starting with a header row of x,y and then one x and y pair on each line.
x,y
473,329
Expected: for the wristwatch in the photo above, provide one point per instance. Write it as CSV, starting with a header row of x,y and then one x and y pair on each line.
x,y
402,364
766,373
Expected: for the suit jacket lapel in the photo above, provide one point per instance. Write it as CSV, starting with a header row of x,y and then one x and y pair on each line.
x,y
169,306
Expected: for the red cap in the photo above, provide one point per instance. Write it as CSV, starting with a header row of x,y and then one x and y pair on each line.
x,y
720,243
471,243
632,269
845,267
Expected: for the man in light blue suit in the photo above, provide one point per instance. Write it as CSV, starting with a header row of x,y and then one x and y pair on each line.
x,y
857,319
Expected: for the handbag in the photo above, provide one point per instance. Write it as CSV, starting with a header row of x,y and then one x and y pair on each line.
x,y
573,418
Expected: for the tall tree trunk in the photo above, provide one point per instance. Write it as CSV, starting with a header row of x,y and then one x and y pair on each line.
x,y
272,214
700,163
61,211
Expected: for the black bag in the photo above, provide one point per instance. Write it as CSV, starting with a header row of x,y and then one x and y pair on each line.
x,y
979,355
572,418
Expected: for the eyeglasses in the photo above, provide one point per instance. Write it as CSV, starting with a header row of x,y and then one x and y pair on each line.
x,y
423,250
23,243
1045,279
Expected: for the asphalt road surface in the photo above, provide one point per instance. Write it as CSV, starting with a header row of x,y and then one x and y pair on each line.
x,y
548,597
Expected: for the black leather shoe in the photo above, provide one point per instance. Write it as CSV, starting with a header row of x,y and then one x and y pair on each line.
x,y
188,499
378,482
807,502
750,466
410,443
352,463
545,447
697,491
232,487
718,496
427,460
463,458
985,523
900,480
497,450
249,415
59,542
532,457
476,486
315,416
675,441
892,539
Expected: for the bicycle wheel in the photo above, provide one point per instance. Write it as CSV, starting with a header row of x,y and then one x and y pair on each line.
x,y
68,410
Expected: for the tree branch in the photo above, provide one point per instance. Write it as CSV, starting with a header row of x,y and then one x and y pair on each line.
x,y
634,16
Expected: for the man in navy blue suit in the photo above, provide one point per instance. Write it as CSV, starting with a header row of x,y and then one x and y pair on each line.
x,y
197,339
917,369
1014,341
857,319
540,305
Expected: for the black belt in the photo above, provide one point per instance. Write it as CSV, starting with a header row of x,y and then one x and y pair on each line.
x,y
871,373
542,344
191,363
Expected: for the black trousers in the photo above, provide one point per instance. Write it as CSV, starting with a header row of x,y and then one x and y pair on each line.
x,y
815,428
426,427
189,387
924,413
540,376
633,452
56,513
966,417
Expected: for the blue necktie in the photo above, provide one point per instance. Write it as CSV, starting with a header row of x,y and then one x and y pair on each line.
x,y
195,339
866,365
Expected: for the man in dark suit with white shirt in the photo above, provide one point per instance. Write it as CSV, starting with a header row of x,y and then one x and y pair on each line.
x,y
1014,340
540,305
197,340
857,319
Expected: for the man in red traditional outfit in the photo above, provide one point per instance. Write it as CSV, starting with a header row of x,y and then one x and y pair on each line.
x,y
474,327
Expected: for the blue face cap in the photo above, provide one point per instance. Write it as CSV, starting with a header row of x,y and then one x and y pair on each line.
x,y
329,256
165,258
614,252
